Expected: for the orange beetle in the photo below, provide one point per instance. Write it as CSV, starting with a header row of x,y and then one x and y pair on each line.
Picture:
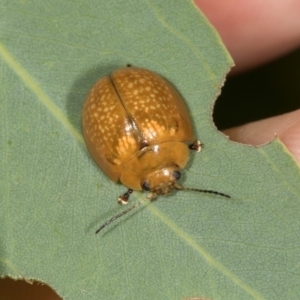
x,y
137,129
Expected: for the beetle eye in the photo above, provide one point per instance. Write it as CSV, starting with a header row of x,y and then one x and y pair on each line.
x,y
146,186
176,175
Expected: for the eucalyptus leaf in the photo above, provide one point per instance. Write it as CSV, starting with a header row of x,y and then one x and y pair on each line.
x,y
53,196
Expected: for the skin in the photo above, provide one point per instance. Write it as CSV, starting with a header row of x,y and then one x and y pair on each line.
x,y
256,32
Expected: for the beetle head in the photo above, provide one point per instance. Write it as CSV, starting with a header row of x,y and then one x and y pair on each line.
x,y
161,182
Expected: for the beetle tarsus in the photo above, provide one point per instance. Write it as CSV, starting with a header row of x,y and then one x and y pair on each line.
x,y
196,146
125,197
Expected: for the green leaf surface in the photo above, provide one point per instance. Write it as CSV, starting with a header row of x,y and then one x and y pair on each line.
x,y
53,197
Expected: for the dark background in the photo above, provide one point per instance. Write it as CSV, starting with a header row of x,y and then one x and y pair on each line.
x,y
269,90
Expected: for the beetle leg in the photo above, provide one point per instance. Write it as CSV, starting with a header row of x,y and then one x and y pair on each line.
x,y
123,199
196,146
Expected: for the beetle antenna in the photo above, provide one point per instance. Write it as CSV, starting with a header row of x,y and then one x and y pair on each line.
x,y
120,215
179,187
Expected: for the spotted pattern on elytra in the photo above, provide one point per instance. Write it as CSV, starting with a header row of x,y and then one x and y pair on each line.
x,y
129,110
107,128
152,103
106,123
137,129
